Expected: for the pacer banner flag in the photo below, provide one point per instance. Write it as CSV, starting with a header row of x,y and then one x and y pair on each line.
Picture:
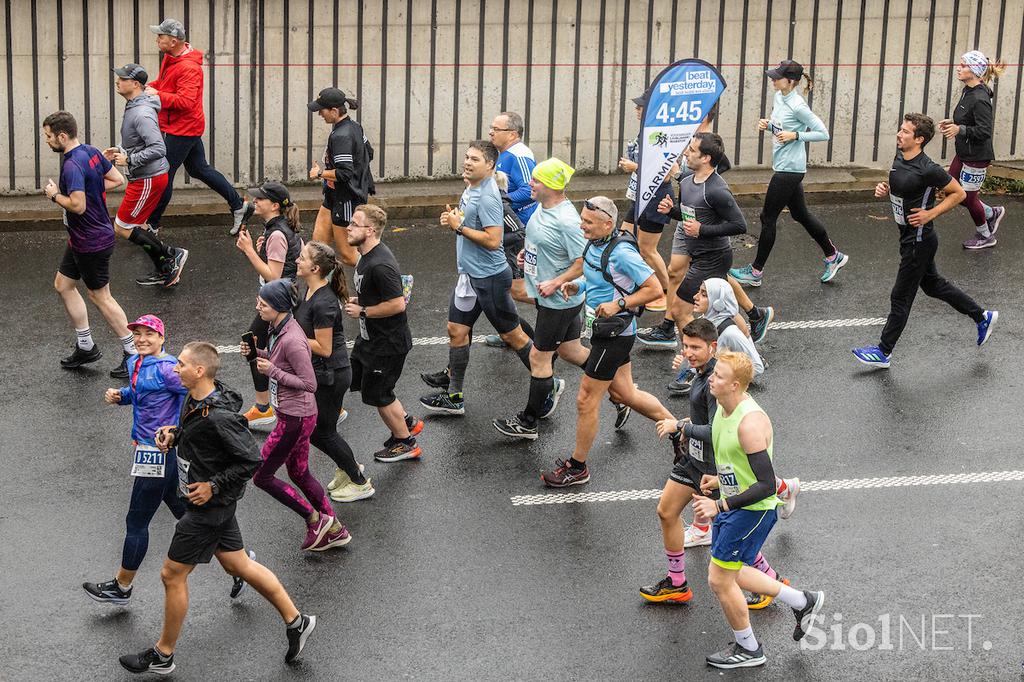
x,y
677,101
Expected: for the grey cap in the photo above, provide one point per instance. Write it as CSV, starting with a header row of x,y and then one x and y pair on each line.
x,y
169,27
133,72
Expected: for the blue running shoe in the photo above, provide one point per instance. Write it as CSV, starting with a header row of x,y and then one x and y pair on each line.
x,y
746,276
551,402
985,326
873,356
832,268
759,329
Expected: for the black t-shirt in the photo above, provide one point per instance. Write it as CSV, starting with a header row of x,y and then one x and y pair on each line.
x,y
377,280
912,184
321,311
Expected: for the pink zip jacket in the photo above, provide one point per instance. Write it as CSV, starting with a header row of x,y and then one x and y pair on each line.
x,y
293,369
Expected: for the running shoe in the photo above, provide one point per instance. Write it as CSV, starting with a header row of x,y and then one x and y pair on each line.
x,y
108,593
979,242
257,417
985,326
352,491
81,357
832,267
341,479
153,279
237,584
298,635
997,217
155,229
444,402
682,384
736,656
759,329
551,402
148,661
694,537
805,616
333,538
564,475
756,602
664,590
242,216
515,428
622,413
398,451
317,530
437,379
659,337
872,356
793,489
342,415
658,305
746,276
174,272
415,426
121,371
494,341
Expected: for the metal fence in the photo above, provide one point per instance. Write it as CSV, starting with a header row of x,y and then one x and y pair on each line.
x,y
430,74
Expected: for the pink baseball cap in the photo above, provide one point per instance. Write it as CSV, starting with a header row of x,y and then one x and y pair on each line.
x,y
150,322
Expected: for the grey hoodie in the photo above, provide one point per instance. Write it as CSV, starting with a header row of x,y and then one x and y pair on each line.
x,y
722,306
141,139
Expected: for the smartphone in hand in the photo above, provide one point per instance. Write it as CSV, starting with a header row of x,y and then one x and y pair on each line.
x,y
250,339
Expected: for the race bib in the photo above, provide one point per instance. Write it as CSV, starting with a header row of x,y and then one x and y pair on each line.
x,y
697,449
183,465
774,128
971,178
64,216
634,182
149,462
727,481
273,387
363,334
897,209
688,212
530,259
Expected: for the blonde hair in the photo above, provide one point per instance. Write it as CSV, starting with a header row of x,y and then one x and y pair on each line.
x,y
375,214
809,85
741,366
995,70
502,180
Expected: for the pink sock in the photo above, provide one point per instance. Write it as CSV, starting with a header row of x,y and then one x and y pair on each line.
x,y
676,567
761,564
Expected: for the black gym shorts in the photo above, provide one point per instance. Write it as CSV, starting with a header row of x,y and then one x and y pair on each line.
x,y
555,326
375,376
203,531
92,268
607,355
341,211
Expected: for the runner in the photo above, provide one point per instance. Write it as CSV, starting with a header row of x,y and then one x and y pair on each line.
x,y
288,364
715,301
384,338
320,316
484,281
85,177
792,123
515,160
617,283
346,177
182,121
216,457
913,180
971,129
156,395
143,152
743,513
274,256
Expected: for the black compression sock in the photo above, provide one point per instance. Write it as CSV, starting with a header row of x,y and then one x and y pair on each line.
x,y
149,242
754,314
527,327
576,465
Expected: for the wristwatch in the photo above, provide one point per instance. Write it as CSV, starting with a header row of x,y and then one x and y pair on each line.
x,y
214,488
458,230
622,304
320,174
362,312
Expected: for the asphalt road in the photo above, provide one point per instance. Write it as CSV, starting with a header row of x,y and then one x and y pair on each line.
x,y
447,579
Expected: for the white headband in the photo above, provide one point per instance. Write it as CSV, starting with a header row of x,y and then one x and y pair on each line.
x,y
976,61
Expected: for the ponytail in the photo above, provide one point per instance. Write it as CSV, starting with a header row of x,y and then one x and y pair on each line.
x,y
995,70
809,86
291,215
326,261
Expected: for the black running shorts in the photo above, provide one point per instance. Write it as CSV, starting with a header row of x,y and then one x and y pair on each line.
x,y
375,376
555,326
203,531
92,268
607,355
491,296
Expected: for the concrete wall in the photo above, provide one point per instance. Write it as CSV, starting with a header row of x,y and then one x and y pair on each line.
x,y
430,74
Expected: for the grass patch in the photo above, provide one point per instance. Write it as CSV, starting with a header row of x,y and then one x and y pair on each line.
x,y
994,185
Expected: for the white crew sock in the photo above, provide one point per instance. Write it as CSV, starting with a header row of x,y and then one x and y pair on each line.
x,y
745,638
128,343
792,598
85,338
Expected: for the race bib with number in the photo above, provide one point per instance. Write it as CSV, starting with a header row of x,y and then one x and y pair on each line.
x,y
971,178
149,462
631,188
897,209
363,333
183,465
688,212
530,259
727,481
697,449
273,390
774,128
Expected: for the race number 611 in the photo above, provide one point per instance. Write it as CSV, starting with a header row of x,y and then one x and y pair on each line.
x,y
687,111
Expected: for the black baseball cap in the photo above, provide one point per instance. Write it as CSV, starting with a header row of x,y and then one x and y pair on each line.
x,y
787,68
274,191
133,72
641,101
332,98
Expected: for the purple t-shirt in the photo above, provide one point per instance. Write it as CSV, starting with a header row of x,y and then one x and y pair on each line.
x,y
82,170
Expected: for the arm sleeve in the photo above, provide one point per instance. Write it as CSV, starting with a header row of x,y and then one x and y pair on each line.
x,y
186,98
982,128
725,207
243,453
149,131
299,358
761,465
519,175
343,149
816,130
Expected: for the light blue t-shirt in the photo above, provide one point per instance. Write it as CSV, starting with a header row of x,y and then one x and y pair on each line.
x,y
554,241
791,113
481,207
625,265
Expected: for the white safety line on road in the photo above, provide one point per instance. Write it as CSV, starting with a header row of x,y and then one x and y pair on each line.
x,y
805,486
774,326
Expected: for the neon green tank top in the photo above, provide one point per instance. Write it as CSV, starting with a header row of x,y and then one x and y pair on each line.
x,y
734,472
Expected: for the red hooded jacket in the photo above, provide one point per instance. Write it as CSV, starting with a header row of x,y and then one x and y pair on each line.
x,y
180,86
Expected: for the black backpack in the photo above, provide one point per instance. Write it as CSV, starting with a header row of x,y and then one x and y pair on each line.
x,y
628,314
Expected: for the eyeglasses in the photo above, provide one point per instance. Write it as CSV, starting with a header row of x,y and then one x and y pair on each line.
x,y
500,130
594,207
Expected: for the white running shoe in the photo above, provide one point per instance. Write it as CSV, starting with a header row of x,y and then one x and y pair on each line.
x,y
695,538
793,484
341,479
352,491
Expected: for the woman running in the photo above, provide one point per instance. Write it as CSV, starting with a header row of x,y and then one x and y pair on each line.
x,y
288,366
971,128
319,314
792,123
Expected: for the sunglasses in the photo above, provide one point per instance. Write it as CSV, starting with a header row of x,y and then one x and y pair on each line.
x,y
594,207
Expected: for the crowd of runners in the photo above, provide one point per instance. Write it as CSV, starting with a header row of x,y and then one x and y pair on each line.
x,y
587,274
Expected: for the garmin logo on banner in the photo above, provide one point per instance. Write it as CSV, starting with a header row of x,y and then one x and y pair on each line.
x,y
659,177
697,82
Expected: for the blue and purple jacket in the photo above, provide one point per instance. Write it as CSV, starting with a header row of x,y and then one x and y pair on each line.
x,y
156,395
